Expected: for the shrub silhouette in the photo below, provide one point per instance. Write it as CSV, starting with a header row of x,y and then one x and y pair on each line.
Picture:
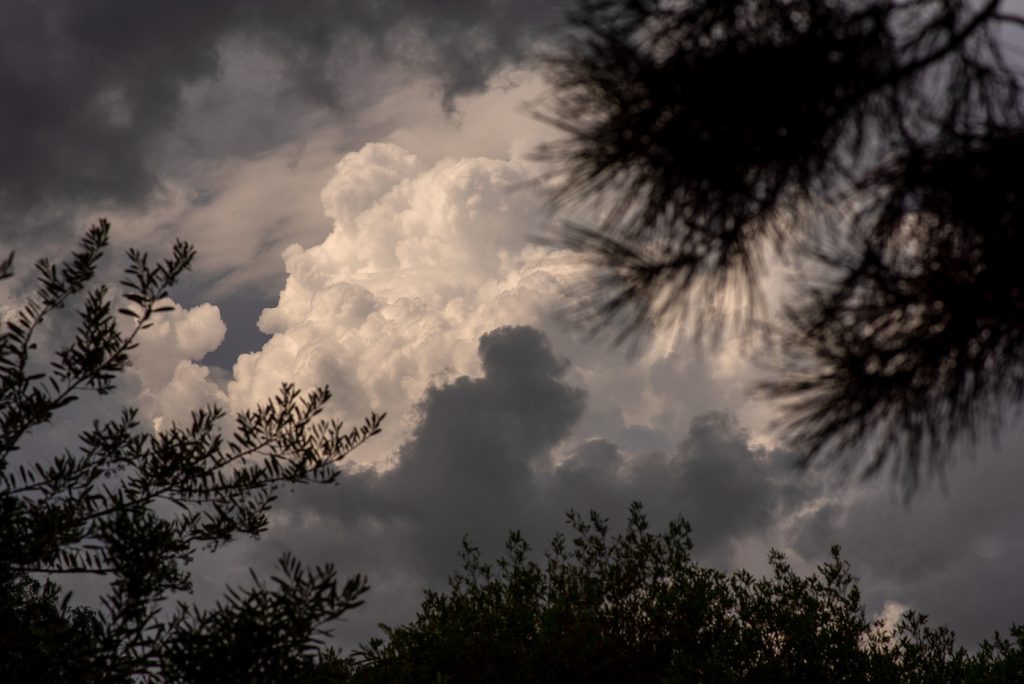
x,y
636,607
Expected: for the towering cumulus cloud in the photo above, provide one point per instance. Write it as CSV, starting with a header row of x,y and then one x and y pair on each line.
x,y
421,261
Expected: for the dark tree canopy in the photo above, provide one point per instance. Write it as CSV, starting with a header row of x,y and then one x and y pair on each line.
x,y
873,143
43,638
636,607
135,505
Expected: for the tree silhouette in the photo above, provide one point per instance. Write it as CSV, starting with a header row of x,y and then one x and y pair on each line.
x,y
42,638
636,607
870,142
135,505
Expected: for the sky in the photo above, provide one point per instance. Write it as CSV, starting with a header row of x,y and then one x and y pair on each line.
x,y
356,178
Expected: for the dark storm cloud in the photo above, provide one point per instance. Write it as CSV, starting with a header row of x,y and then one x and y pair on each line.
x,y
955,554
481,463
91,88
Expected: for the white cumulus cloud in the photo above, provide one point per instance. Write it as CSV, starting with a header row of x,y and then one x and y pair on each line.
x,y
421,261
166,364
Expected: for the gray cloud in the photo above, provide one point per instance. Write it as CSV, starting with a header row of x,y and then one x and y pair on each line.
x,y
91,89
955,554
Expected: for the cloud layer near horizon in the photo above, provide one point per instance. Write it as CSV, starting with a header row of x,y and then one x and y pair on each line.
x,y
497,452
484,459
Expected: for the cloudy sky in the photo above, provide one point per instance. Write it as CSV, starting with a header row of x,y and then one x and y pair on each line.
x,y
355,176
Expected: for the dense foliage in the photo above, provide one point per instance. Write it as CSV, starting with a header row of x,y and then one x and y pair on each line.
x,y
636,607
42,638
869,142
134,505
